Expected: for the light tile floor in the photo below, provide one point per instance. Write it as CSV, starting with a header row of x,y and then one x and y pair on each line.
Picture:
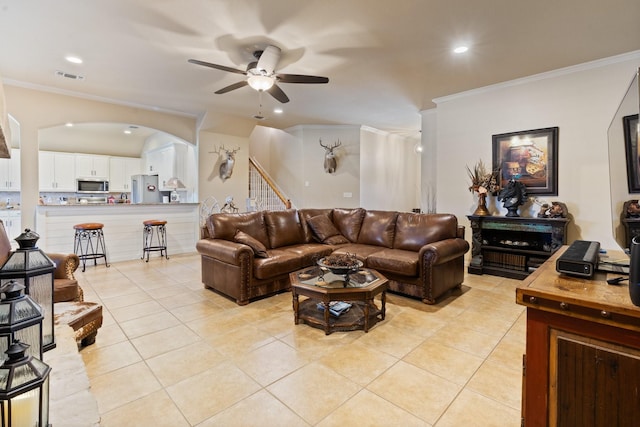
x,y
171,353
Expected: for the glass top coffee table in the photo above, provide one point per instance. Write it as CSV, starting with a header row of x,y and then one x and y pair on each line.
x,y
328,292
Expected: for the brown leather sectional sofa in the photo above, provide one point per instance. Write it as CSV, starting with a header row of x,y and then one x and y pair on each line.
x,y
246,256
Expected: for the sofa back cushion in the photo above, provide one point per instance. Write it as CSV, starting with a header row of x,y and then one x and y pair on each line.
x,y
416,230
378,228
224,226
304,215
348,221
283,228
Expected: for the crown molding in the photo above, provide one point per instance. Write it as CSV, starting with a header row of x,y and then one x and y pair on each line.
x,y
42,88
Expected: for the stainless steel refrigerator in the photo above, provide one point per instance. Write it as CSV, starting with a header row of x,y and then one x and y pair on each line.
x,y
144,189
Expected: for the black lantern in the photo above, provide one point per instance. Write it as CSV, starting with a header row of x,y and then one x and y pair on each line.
x,y
33,269
20,319
24,389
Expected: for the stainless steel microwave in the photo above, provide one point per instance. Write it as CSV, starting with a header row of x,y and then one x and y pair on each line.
x,y
88,185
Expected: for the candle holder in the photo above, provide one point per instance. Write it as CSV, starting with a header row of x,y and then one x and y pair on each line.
x,y
24,389
20,319
33,269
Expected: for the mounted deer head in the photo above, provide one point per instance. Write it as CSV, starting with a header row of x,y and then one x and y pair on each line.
x,y
226,167
330,162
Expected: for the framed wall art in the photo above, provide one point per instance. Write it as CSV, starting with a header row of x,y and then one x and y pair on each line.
x,y
530,157
630,126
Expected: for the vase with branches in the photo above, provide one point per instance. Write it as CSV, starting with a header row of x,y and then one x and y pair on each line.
x,y
483,181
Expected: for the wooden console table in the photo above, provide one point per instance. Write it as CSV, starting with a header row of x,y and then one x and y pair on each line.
x,y
582,361
513,246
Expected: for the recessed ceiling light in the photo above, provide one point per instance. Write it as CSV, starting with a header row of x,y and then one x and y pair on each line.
x,y
73,59
461,49
277,110
69,124
127,131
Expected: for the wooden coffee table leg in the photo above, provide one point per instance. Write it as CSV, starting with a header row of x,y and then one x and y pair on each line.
x,y
296,306
383,302
327,328
366,314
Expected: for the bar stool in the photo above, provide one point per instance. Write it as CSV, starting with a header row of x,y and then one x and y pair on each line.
x,y
88,243
154,238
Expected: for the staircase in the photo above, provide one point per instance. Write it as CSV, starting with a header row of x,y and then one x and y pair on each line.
x,y
264,191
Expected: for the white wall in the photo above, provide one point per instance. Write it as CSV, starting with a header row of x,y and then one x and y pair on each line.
x,y
581,101
389,171
210,183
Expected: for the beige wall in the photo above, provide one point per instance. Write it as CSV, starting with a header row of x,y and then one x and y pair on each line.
x,y
35,110
210,183
581,101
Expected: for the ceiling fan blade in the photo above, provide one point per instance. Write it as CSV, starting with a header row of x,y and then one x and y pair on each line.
x,y
231,87
300,78
217,67
278,94
269,59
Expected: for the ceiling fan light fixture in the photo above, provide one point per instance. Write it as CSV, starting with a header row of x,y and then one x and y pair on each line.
x,y
260,83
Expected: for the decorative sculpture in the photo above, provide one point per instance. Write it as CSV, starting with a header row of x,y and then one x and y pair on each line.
x,y
556,210
229,206
226,167
513,195
330,162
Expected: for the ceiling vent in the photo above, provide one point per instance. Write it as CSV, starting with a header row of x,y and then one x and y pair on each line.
x,y
69,75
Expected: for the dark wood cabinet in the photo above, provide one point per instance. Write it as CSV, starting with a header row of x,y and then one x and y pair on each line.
x,y
582,361
513,246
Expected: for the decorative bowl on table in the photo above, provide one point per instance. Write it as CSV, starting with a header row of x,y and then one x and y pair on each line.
x,y
340,264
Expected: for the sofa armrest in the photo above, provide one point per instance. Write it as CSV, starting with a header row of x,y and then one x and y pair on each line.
x,y
66,265
444,250
223,250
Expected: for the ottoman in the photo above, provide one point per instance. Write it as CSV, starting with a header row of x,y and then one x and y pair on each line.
x,y
84,317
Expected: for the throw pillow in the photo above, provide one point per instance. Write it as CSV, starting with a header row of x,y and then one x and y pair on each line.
x,y
258,248
338,239
324,230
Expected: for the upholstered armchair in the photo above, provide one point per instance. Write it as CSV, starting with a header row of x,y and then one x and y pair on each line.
x,y
65,285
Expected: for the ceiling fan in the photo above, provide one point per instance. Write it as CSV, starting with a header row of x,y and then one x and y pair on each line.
x,y
261,74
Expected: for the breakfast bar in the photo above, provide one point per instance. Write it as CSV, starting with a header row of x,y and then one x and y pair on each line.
x,y
123,226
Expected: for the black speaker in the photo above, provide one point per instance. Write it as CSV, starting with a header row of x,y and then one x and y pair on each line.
x,y
634,272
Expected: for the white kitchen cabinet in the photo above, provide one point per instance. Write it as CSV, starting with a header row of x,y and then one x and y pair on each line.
x,y
160,162
57,171
92,166
10,172
12,224
166,162
120,171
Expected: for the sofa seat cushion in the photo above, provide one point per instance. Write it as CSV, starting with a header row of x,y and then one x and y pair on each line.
x,y
378,228
362,252
280,261
65,290
224,226
283,228
349,221
413,231
396,261
310,252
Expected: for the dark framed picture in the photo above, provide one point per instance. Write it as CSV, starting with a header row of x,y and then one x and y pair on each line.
x,y
530,157
630,126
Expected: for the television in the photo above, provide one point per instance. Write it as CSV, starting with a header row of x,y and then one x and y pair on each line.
x,y
624,172
624,163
